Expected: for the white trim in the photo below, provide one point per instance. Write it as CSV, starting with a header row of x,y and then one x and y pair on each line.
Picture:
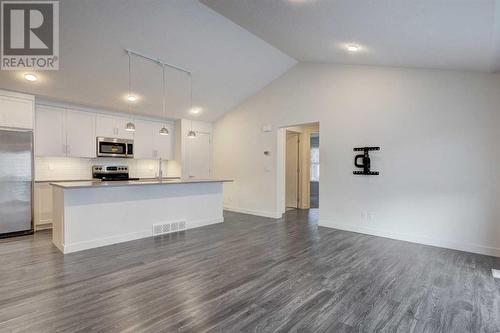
x,y
473,248
85,245
273,215
15,94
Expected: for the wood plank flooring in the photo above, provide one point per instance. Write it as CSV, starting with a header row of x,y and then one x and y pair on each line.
x,y
248,274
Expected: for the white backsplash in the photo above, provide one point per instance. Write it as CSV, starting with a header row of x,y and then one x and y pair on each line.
x,y
66,168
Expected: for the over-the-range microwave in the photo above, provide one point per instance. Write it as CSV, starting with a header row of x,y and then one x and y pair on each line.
x,y
113,147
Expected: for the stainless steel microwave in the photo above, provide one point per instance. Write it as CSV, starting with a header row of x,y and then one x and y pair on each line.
x,y
112,147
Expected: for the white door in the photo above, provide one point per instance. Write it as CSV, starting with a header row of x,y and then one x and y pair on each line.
x,y
163,143
80,137
16,112
292,169
105,126
200,156
143,140
50,139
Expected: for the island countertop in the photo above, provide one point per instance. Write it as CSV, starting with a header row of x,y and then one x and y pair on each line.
x,y
98,183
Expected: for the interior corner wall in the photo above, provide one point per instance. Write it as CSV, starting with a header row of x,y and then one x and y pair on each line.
x,y
438,131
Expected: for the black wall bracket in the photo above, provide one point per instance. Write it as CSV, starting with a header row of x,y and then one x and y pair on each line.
x,y
365,157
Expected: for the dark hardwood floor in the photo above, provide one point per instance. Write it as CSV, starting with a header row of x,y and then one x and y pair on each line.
x,y
249,274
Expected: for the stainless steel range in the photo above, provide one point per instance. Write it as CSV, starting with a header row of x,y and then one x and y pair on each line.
x,y
111,172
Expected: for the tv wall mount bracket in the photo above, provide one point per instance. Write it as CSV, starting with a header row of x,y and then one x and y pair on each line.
x,y
365,161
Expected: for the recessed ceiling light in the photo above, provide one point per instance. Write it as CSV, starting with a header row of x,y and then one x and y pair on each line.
x,y
30,77
131,98
195,110
352,47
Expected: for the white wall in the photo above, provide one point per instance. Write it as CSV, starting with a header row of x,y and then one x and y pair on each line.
x,y
439,132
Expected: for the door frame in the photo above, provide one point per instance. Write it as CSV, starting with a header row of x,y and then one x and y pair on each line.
x,y
297,168
281,165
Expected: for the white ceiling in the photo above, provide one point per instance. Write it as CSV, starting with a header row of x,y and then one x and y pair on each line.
x,y
444,34
228,63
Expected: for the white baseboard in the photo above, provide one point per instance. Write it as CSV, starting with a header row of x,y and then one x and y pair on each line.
x,y
473,248
90,244
273,215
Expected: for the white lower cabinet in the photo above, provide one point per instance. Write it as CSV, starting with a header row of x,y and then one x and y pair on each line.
x,y
42,206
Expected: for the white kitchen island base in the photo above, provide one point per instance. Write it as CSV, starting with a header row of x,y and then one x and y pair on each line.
x,y
89,214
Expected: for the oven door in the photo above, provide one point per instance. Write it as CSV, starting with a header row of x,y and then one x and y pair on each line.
x,y
110,147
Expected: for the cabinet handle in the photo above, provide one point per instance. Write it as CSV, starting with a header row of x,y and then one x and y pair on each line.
x,y
64,148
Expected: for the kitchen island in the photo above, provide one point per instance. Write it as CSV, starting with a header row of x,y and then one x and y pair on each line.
x,y
89,214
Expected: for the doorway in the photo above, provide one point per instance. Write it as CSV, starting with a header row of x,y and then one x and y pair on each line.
x,y
300,167
292,169
314,170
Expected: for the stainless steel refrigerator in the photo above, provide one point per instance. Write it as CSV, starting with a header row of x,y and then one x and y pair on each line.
x,y
16,182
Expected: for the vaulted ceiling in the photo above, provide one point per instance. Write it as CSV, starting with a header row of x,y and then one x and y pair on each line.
x,y
443,34
236,47
228,63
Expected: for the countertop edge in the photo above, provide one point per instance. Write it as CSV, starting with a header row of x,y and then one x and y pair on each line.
x,y
90,184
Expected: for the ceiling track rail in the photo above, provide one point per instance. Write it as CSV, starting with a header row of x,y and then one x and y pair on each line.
x,y
158,61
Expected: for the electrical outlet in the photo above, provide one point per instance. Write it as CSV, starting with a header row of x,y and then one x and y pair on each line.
x,y
496,273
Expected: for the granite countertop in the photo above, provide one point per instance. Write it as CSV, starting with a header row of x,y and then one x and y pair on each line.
x,y
165,181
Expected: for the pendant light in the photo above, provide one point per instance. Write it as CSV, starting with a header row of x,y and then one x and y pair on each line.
x,y
130,126
191,133
163,130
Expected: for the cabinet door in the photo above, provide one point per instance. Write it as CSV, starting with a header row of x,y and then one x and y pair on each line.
x,y
50,139
163,143
16,112
200,156
43,212
120,124
80,137
105,126
143,140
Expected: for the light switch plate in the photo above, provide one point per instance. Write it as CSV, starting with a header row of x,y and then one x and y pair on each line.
x,y
496,273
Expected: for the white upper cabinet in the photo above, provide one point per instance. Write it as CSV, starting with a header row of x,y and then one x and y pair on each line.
x,y
16,110
143,140
149,144
163,144
112,127
50,137
62,132
80,136
120,126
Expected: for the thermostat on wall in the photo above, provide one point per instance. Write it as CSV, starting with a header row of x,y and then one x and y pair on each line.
x,y
267,128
